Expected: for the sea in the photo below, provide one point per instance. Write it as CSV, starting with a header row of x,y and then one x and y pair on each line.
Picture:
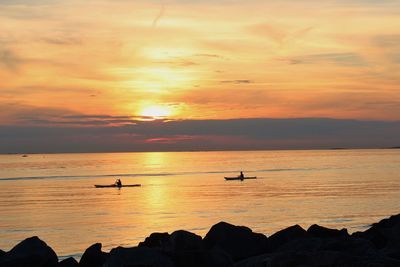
x,y
53,195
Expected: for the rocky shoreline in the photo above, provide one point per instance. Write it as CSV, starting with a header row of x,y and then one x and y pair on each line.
x,y
227,245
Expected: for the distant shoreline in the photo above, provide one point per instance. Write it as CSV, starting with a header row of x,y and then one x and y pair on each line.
x,y
210,150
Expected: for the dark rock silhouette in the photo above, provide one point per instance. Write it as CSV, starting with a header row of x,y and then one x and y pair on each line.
x,y
286,235
69,262
31,252
202,258
227,245
93,256
137,256
156,240
323,232
238,241
183,240
385,235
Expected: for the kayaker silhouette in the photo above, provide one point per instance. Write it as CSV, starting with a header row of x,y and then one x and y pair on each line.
x,y
118,183
241,176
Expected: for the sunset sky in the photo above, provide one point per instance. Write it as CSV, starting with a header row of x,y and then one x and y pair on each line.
x,y
72,64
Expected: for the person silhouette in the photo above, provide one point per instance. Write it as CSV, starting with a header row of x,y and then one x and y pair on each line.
x,y
118,183
241,176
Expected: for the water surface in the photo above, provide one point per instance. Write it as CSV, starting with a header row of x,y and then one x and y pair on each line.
x,y
52,195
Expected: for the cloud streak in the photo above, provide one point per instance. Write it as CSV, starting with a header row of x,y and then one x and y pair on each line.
x,y
340,59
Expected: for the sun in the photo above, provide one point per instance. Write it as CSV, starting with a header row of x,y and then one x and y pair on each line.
x,y
155,111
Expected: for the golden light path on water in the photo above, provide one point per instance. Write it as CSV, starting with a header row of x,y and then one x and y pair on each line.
x,y
53,197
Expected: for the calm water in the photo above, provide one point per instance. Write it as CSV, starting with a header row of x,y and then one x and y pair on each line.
x,y
52,196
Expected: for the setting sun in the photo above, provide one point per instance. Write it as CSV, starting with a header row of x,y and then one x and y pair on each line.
x,y
155,111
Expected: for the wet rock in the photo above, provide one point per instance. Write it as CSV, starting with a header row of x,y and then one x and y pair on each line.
x,y
31,252
184,240
137,257
157,240
93,256
69,262
288,234
2,253
323,232
238,241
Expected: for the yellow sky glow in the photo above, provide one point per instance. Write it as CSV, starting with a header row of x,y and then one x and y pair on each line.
x,y
200,59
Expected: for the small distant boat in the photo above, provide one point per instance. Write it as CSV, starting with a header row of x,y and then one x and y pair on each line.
x,y
114,185
240,178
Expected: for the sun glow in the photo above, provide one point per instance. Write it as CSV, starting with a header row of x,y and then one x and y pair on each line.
x,y
155,111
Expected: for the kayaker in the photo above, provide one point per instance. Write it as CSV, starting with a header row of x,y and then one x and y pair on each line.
x,y
118,183
241,176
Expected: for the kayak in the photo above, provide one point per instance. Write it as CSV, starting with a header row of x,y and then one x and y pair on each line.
x,y
239,178
114,185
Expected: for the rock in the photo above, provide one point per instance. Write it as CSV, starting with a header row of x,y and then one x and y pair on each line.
x,y
330,259
311,244
93,256
202,258
281,237
2,253
157,240
69,262
353,246
184,240
290,259
137,257
390,222
31,252
374,235
256,261
385,233
218,258
323,232
238,241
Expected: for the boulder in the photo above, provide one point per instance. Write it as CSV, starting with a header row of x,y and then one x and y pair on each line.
x,y
31,252
385,233
374,235
256,261
93,256
137,257
218,258
350,245
331,259
283,236
156,240
69,262
310,244
290,259
202,258
238,241
2,253
184,240
323,232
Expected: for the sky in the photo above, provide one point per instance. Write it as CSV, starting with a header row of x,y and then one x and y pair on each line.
x,y
125,72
